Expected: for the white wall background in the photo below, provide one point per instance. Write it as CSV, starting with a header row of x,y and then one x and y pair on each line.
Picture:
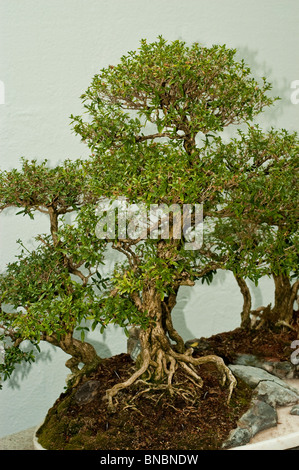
x,y
49,51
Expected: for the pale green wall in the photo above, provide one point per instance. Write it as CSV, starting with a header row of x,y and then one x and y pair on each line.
x,y
49,51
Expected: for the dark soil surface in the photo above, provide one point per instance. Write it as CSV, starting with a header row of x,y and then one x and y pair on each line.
x,y
154,420
269,344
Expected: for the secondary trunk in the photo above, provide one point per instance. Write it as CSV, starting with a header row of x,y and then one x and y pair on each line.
x,y
282,312
245,315
285,296
80,352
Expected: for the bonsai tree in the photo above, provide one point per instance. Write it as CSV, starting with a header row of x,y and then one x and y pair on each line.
x,y
151,122
261,232
153,126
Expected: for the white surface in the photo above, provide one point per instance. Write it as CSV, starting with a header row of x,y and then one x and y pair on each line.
x,y
285,442
49,51
22,440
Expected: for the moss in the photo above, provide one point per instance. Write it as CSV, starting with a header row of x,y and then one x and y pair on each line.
x,y
64,404
156,421
74,427
80,442
52,433
242,395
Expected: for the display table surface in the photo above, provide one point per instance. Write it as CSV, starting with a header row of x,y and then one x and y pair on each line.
x,y
19,441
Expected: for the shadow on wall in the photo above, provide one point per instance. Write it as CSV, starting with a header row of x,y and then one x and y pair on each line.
x,y
280,87
44,358
257,294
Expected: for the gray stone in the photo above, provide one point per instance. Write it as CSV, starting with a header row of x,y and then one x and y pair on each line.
x,y
283,370
238,437
254,375
87,392
247,360
269,392
275,394
251,375
295,410
133,343
260,416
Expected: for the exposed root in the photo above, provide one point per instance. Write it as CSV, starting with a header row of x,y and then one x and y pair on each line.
x,y
193,376
218,361
178,389
159,361
134,408
120,386
287,325
165,366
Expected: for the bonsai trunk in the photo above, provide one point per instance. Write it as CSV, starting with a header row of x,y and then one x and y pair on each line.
x,y
80,352
160,358
245,315
282,313
285,296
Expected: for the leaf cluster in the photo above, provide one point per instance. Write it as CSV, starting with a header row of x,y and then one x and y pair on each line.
x,y
36,186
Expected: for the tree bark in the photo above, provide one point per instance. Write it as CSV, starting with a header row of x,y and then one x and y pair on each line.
x,y
80,352
284,299
245,315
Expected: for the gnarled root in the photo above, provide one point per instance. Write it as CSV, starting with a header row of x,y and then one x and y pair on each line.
x,y
161,363
187,362
120,386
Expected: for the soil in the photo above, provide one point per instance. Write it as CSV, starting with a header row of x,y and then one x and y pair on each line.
x,y
146,419
269,344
